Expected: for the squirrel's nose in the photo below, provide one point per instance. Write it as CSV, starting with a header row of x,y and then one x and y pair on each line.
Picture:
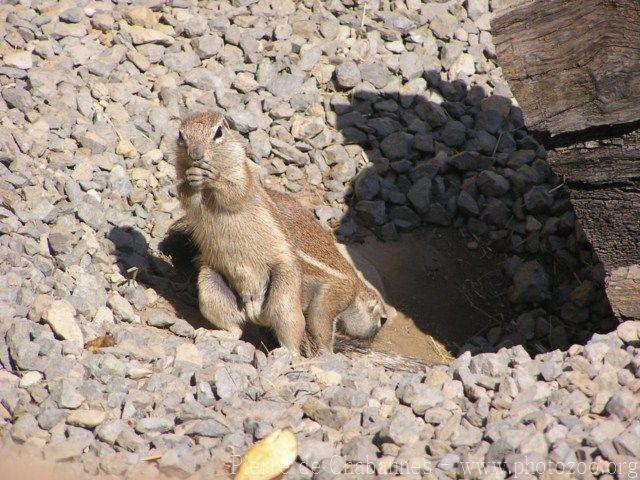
x,y
196,152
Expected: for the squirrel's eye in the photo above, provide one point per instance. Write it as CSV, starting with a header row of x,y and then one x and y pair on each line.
x,y
218,133
180,137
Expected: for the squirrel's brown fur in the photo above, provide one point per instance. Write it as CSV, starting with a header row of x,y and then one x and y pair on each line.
x,y
263,257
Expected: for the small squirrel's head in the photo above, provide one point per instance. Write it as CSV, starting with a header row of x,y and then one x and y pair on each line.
x,y
366,315
207,136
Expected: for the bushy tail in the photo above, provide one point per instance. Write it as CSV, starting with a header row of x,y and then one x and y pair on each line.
x,y
361,350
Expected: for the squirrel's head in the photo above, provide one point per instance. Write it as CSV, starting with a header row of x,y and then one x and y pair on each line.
x,y
367,314
207,136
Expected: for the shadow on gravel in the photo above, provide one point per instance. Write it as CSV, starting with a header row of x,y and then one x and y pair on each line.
x,y
450,239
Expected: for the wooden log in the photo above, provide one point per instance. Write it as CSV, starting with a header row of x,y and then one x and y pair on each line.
x,y
572,64
603,176
574,67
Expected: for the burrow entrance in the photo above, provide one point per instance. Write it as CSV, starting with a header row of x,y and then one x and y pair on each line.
x,y
445,293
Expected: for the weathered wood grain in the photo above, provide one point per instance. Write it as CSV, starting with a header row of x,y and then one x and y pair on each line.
x,y
599,160
572,64
603,175
623,290
611,220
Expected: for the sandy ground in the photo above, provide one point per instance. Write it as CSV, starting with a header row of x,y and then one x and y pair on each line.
x,y
16,464
444,292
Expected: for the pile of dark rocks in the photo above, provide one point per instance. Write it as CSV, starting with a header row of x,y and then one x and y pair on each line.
x,y
397,113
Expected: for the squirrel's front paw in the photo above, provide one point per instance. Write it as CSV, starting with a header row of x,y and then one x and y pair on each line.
x,y
200,173
196,177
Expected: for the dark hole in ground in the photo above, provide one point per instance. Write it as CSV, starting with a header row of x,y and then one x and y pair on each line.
x,y
408,139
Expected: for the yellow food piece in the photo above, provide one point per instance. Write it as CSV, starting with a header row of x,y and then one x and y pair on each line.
x,y
126,149
270,457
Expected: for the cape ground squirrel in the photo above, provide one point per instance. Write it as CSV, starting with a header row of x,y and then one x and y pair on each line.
x,y
263,257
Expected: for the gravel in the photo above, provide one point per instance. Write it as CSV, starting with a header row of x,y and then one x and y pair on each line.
x,y
408,116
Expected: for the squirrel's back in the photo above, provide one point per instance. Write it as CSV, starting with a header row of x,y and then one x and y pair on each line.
x,y
316,247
